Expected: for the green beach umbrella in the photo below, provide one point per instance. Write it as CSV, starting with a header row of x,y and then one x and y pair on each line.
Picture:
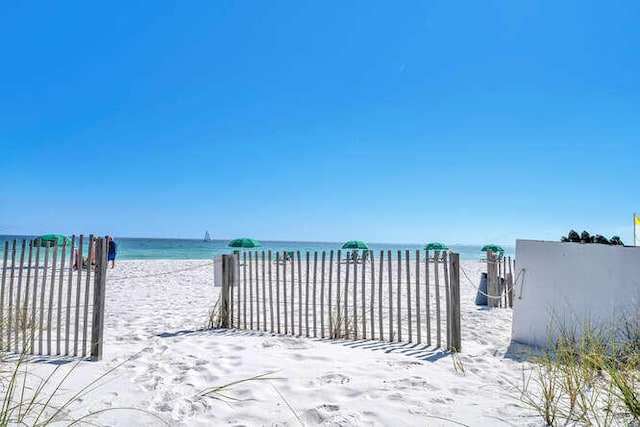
x,y
436,246
493,248
355,244
244,243
52,239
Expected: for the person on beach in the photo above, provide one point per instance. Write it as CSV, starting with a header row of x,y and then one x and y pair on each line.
x,y
92,252
76,259
111,251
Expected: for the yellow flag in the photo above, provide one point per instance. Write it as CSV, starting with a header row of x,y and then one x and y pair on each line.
x,y
636,218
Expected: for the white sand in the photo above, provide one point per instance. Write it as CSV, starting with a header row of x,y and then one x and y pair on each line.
x,y
154,325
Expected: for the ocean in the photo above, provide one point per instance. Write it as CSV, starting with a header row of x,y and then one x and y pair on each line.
x,y
146,248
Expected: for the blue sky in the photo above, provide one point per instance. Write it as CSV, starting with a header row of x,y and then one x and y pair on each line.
x,y
463,122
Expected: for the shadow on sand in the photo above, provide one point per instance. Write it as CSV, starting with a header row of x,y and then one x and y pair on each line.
x,y
422,352
45,359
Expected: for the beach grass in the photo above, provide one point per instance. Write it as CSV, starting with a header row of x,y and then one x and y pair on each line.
x,y
29,399
342,326
219,392
586,378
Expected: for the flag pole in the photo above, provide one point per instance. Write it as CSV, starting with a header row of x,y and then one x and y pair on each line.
x,y
634,229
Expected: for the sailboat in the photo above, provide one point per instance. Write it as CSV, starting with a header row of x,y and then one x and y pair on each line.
x,y
207,237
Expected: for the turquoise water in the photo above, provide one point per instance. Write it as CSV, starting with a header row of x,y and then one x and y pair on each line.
x,y
143,248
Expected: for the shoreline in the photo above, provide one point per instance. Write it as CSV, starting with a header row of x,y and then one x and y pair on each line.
x,y
178,249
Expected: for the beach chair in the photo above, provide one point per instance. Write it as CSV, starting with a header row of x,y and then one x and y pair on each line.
x,y
286,256
361,257
352,257
440,258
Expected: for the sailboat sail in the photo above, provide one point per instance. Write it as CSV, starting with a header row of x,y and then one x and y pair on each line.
x,y
207,237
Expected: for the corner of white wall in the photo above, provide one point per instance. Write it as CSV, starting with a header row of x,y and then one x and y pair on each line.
x,y
568,284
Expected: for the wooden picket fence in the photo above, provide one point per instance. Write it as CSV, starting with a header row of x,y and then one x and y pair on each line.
x,y
49,306
500,281
412,297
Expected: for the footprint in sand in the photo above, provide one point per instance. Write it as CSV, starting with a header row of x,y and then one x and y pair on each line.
x,y
308,357
287,342
403,364
442,400
200,366
166,402
163,407
234,361
153,383
179,379
330,415
321,414
460,391
396,396
421,382
334,379
109,398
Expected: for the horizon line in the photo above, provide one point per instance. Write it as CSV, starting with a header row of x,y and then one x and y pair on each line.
x,y
269,240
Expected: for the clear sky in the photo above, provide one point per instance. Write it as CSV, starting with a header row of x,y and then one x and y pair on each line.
x,y
397,121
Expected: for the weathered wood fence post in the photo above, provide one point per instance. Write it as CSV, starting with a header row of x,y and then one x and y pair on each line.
x,y
454,283
510,284
228,279
493,291
99,287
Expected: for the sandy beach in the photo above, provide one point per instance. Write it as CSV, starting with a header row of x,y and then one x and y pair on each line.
x,y
168,136
165,359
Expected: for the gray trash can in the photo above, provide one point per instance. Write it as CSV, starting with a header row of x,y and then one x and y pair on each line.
x,y
481,296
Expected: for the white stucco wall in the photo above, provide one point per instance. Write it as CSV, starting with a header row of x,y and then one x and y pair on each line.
x,y
571,283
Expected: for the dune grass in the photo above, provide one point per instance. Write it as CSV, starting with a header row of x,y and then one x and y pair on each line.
x,y
219,391
341,326
29,399
590,377
40,401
